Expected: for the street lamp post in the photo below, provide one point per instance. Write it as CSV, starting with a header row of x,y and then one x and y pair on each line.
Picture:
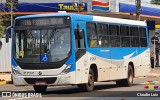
x,y
138,9
11,13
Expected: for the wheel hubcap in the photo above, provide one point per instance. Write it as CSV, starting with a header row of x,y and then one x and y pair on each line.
x,y
90,81
130,78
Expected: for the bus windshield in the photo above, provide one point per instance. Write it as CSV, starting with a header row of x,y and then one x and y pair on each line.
x,y
30,44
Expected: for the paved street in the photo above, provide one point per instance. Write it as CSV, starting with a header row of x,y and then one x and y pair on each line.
x,y
102,90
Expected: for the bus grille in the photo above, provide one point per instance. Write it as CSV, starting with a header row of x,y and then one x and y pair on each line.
x,y
34,80
40,66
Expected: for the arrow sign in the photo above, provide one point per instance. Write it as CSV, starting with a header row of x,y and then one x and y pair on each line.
x,y
154,39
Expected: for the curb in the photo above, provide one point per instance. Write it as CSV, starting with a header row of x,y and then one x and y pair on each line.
x,y
5,82
149,76
5,78
153,75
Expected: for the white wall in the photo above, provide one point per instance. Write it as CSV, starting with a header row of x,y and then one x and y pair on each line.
x,y
151,34
5,56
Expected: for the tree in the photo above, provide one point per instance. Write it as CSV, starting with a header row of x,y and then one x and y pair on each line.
x,y
11,6
155,2
6,17
2,28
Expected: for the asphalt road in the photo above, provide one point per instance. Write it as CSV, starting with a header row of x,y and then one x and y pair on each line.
x,y
102,91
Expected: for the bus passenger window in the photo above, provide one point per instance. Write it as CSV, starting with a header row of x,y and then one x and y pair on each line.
x,y
143,39
102,30
114,37
134,33
92,35
125,39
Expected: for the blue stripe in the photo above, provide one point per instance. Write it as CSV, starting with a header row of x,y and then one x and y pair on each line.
x,y
129,8
116,53
100,8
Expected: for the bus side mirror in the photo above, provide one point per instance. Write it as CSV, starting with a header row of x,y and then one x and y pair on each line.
x,y
7,37
79,33
8,33
0,44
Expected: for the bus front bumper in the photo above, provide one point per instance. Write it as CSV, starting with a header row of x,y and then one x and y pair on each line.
x,y
65,79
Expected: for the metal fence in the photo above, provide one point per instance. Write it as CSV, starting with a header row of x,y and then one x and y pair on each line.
x,y
5,56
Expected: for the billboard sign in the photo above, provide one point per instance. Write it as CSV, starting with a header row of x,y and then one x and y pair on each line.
x,y
99,5
48,7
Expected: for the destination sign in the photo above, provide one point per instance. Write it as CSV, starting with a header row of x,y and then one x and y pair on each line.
x,y
43,21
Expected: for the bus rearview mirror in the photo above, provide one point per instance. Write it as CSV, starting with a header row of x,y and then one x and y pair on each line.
x,y
7,37
8,33
79,33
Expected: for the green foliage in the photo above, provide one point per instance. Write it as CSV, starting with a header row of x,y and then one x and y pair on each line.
x,y
13,3
6,17
155,2
2,28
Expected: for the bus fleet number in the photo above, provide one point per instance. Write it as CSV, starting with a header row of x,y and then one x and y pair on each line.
x,y
92,58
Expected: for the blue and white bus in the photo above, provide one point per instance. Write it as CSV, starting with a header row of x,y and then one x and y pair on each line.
x,y
74,49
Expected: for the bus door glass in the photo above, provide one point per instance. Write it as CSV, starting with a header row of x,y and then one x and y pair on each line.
x,y
80,45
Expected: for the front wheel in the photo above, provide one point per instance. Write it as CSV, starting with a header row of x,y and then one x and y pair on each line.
x,y
40,88
90,85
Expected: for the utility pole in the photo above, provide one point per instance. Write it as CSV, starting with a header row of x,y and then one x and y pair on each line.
x,y
138,9
11,13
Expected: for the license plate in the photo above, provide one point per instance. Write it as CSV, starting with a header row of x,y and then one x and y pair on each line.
x,y
40,83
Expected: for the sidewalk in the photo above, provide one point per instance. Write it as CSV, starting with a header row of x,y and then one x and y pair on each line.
x,y
154,72
5,78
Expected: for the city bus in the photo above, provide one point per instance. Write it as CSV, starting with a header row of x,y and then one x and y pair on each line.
x,y
75,49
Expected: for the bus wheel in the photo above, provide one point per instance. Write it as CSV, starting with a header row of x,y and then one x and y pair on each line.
x,y
40,88
129,80
90,85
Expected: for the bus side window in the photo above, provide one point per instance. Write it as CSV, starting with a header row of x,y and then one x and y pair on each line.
x,y
125,38
114,37
143,38
134,33
102,30
92,35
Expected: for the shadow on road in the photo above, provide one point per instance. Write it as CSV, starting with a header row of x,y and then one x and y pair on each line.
x,y
75,89
100,90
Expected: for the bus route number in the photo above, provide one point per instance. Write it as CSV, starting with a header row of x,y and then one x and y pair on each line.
x,y
92,58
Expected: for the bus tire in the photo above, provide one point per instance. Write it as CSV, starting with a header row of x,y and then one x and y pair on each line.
x,y
129,81
88,87
11,79
119,83
40,88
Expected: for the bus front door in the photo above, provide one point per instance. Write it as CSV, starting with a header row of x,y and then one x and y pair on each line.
x,y
80,52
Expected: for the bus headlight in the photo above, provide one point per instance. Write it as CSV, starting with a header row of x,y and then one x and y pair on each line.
x,y
66,70
15,71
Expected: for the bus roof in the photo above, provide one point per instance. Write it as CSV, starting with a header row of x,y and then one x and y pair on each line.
x,y
90,18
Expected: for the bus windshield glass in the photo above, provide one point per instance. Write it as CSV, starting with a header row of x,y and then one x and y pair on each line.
x,y
42,45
